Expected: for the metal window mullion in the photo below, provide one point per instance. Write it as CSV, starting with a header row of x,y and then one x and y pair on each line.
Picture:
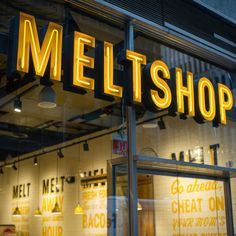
x,y
132,163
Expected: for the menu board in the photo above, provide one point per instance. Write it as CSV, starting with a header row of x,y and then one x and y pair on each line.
x,y
94,219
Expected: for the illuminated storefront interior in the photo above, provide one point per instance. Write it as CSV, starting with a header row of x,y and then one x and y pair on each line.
x,y
64,139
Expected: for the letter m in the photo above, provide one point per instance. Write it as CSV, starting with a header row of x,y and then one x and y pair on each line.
x,y
28,42
45,186
15,192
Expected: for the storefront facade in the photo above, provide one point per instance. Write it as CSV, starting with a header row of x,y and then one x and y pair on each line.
x,y
117,118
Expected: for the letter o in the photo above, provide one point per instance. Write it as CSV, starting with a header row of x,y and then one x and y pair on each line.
x,y
208,114
212,204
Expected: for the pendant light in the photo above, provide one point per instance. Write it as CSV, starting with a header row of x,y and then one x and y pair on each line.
x,y
47,98
78,209
56,209
37,211
149,121
17,211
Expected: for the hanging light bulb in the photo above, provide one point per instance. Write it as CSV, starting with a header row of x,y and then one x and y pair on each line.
x,y
78,210
16,212
37,212
139,207
56,209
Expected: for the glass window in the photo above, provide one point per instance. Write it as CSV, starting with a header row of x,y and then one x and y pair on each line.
x,y
64,162
59,187
182,139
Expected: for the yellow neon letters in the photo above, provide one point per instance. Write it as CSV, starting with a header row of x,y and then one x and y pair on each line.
x,y
109,87
182,91
51,48
224,104
164,102
29,41
80,60
211,112
137,60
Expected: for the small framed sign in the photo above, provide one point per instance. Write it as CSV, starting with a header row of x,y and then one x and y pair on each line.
x,y
196,155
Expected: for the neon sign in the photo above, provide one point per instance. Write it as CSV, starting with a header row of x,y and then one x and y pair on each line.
x,y
28,40
152,84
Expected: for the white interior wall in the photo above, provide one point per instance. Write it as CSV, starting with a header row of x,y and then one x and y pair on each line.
x,y
178,136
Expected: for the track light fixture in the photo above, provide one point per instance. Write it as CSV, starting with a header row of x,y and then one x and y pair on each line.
x,y
14,166
35,161
17,105
60,153
161,124
86,146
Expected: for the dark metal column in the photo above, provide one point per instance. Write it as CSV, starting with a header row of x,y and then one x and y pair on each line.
x,y
132,166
